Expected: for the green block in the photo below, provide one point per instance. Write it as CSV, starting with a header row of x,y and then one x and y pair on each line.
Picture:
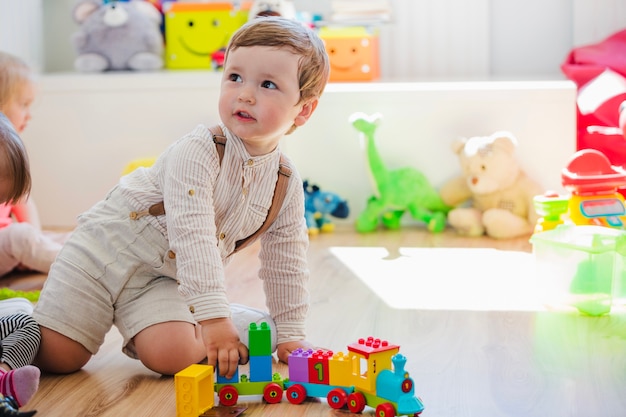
x,y
260,339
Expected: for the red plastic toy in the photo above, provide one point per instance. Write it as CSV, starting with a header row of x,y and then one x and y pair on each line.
x,y
594,185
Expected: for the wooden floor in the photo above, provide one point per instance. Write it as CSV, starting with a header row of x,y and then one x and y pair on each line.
x,y
475,360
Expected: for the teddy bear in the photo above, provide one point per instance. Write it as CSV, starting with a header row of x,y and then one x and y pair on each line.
x,y
493,195
117,36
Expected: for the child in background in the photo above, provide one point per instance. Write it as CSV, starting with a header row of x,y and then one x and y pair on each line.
x,y
160,277
23,245
19,333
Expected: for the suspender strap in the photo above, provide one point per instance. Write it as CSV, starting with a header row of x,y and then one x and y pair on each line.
x,y
284,172
158,209
219,139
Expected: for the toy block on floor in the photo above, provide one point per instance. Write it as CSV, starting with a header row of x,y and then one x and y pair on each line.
x,y
194,390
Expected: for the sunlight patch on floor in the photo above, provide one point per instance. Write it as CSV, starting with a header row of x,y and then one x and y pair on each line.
x,y
446,278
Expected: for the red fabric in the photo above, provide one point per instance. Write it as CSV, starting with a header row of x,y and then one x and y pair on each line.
x,y
584,64
587,62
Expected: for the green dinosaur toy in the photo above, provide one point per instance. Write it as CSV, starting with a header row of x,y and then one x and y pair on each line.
x,y
396,191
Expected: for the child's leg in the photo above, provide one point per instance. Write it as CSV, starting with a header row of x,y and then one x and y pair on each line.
x,y
60,354
8,262
31,248
20,341
169,347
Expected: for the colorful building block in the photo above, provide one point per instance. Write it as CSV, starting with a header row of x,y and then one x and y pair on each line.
x,y
220,379
318,366
260,368
196,31
298,362
259,339
194,390
353,53
340,369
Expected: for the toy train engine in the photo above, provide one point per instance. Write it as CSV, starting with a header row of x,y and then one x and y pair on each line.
x,y
362,377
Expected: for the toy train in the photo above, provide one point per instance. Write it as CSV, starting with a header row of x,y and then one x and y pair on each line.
x,y
370,374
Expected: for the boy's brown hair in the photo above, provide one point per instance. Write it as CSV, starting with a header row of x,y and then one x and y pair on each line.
x,y
272,31
14,165
13,73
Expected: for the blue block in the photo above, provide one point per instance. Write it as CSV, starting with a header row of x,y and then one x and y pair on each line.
x,y
223,380
260,368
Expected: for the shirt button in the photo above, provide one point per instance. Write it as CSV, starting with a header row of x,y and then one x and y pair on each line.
x,y
250,162
192,309
171,254
191,192
222,236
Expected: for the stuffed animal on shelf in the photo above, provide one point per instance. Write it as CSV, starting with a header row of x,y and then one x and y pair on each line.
x,y
499,193
117,36
396,191
284,8
319,205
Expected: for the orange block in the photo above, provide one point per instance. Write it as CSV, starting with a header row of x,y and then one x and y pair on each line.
x,y
353,53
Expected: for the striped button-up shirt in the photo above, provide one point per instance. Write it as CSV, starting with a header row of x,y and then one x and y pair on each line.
x,y
210,207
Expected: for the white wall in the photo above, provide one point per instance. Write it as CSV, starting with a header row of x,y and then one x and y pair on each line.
x,y
21,30
86,128
427,39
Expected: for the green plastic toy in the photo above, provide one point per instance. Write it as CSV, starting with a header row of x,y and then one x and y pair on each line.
x,y
10,293
396,191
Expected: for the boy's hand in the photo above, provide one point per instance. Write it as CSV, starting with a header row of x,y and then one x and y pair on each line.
x,y
223,347
284,349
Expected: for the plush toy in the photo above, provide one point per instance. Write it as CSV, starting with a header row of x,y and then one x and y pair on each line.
x,y
498,190
284,8
117,36
319,205
396,191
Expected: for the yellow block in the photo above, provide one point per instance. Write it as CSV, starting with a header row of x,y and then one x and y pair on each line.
x,y
194,388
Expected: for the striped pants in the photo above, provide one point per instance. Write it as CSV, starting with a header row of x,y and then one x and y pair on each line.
x,y
19,340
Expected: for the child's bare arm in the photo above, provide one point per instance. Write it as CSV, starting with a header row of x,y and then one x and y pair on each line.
x,y
223,346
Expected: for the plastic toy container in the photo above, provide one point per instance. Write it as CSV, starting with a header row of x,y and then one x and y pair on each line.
x,y
579,267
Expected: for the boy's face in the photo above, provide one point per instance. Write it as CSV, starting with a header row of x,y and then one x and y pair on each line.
x,y
259,96
17,109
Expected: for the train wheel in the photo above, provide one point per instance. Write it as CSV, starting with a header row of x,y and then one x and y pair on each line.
x,y
337,398
356,402
228,396
272,393
296,394
385,410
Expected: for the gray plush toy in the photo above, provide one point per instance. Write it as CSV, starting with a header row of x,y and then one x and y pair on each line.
x,y
117,36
